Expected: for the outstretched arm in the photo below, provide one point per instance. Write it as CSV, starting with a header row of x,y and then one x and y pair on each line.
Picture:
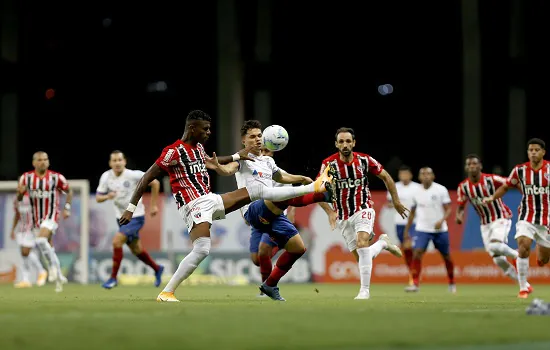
x,y
151,174
390,185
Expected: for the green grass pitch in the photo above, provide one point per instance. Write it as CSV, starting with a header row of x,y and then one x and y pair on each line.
x,y
232,317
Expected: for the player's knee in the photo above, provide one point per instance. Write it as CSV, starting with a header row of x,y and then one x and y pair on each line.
x,y
25,251
254,258
264,250
524,251
201,246
494,248
418,253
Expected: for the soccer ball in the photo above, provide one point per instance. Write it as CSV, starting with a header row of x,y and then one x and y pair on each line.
x,y
275,138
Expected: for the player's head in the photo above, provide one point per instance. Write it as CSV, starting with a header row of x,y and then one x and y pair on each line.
x,y
117,161
40,161
426,176
536,149
472,165
197,126
345,140
405,174
251,134
267,152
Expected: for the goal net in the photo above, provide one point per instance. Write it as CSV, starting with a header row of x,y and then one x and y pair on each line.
x,y
71,239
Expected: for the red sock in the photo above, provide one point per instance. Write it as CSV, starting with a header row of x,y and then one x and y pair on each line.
x,y
274,251
450,271
307,199
408,253
416,268
283,265
117,259
146,258
265,266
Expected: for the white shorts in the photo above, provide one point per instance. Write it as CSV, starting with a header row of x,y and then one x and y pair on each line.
x,y
203,209
538,233
25,239
496,230
361,221
50,225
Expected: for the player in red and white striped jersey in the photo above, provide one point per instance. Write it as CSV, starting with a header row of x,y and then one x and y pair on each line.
x,y
495,217
533,179
45,187
187,164
353,213
23,231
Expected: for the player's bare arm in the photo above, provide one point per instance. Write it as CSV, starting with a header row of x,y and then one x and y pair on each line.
x,y
286,178
151,174
16,219
100,198
155,190
406,236
242,154
68,203
459,216
221,169
499,193
390,185
446,214
21,190
331,213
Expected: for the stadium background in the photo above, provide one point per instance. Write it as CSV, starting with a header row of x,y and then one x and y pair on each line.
x,y
470,79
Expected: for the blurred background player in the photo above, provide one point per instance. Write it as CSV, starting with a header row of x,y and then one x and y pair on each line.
x,y
431,207
353,204
23,231
187,164
44,187
119,184
495,217
533,179
265,216
406,188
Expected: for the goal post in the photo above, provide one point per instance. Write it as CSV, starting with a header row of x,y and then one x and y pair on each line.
x,y
82,187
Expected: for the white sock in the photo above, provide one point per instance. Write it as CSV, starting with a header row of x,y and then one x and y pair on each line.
x,y
365,266
499,248
377,247
201,249
523,270
56,262
35,262
25,269
278,193
46,250
506,267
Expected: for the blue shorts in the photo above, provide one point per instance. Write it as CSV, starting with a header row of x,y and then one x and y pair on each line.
x,y
131,229
277,227
400,229
256,237
440,239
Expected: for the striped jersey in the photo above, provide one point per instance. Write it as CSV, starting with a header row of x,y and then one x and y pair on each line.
x,y
485,187
185,164
352,185
44,192
534,184
23,210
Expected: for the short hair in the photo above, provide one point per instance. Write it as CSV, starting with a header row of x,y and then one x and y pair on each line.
x,y
473,155
344,129
250,124
198,115
118,151
404,167
535,141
